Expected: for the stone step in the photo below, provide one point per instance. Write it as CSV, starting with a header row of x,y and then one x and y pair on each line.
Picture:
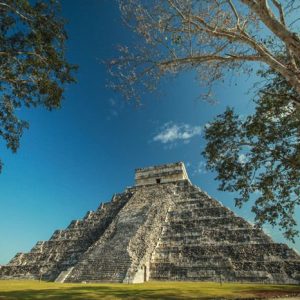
x,y
194,224
259,252
159,272
195,203
208,242
204,211
66,246
214,236
182,232
63,275
104,267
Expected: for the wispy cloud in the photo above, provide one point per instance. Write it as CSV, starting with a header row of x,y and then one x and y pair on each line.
x,y
171,133
195,169
200,168
112,101
114,109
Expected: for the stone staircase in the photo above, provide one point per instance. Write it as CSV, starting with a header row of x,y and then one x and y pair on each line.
x,y
129,240
203,240
164,228
63,275
48,259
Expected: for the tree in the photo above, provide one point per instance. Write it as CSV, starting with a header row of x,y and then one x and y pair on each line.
x,y
212,37
260,155
255,156
33,69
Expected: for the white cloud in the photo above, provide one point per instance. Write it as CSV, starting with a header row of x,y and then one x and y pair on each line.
x,y
172,133
115,108
195,169
112,102
199,169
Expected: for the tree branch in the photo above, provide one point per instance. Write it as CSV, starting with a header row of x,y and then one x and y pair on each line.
x,y
233,8
206,58
15,11
280,30
280,10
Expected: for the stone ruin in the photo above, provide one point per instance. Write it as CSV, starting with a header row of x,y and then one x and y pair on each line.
x,y
163,228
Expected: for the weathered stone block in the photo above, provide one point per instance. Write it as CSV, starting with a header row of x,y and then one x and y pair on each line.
x,y
163,228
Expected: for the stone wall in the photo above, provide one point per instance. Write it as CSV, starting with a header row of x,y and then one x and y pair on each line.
x,y
161,174
203,240
47,259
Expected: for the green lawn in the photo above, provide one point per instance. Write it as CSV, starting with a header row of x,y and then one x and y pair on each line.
x,y
151,290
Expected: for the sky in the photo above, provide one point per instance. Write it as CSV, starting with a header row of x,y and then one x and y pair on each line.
x,y
72,159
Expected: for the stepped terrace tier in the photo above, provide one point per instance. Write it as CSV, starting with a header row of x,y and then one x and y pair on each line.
x,y
162,228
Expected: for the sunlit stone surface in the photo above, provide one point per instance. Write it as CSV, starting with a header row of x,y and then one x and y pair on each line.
x,y
163,228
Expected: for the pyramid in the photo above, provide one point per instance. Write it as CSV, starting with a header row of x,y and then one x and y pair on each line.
x,y
162,228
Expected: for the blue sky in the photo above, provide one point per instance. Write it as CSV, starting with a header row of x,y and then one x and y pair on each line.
x,y
72,159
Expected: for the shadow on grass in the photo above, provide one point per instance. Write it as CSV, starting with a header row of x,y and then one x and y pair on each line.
x,y
275,291
84,293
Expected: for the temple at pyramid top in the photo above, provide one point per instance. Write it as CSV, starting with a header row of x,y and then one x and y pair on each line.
x,y
164,228
161,174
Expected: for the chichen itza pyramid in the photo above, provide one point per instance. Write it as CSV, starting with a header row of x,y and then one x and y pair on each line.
x,y
162,228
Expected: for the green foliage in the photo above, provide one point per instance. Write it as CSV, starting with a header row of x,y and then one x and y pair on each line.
x,y
260,155
33,68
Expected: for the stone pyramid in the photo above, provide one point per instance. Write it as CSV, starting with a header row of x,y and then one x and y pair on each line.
x,y
163,228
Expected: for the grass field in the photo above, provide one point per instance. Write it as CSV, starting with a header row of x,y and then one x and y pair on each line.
x,y
25,290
